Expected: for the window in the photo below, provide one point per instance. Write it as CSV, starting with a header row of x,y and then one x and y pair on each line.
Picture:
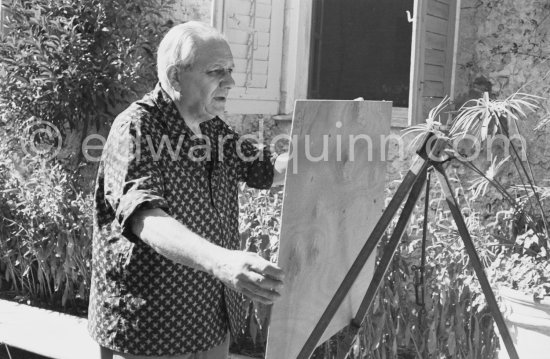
x,y
361,48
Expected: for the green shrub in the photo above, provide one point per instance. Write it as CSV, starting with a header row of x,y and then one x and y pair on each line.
x,y
71,65
45,232
72,62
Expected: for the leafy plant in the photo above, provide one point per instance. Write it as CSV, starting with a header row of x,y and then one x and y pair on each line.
x,y
526,244
45,233
73,63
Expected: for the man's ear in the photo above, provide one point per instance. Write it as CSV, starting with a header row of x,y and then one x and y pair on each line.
x,y
172,74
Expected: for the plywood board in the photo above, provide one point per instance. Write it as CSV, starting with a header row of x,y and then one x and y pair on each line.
x,y
334,195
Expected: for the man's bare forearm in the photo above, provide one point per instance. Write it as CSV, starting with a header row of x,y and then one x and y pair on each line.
x,y
245,272
175,241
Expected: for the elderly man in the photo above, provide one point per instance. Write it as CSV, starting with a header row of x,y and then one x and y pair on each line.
x,y
167,270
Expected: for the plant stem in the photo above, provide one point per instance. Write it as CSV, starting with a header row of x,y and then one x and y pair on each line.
x,y
495,184
535,193
530,180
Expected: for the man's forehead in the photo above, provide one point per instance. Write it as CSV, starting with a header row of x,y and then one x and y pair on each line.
x,y
215,52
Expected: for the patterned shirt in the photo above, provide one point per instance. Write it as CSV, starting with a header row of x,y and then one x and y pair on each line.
x,y
141,302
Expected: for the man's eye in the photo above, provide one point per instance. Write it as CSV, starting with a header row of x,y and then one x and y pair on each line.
x,y
220,72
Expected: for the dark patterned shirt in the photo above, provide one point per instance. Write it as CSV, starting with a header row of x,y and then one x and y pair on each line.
x,y
141,302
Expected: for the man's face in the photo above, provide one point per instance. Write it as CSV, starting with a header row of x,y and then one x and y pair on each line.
x,y
204,87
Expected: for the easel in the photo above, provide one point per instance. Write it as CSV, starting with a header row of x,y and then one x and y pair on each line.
x,y
429,156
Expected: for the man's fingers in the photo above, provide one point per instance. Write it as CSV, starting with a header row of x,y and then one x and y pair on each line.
x,y
264,293
265,282
269,269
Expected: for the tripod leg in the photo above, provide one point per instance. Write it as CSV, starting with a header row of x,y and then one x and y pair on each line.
x,y
476,262
418,168
389,249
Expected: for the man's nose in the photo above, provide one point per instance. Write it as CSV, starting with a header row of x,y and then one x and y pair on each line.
x,y
227,81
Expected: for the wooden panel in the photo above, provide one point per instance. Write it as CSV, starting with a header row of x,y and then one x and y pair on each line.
x,y
399,117
265,78
258,67
242,7
436,41
435,57
242,22
434,72
433,88
240,52
254,80
436,25
438,9
330,207
241,37
45,332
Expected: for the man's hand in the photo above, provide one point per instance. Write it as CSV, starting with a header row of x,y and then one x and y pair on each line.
x,y
250,274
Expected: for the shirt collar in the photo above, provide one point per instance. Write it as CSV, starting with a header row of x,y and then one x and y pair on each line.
x,y
171,116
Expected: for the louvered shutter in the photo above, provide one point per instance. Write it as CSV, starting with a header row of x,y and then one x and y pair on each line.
x,y
254,30
3,14
432,55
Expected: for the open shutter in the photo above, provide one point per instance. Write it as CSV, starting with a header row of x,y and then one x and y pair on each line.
x,y
432,55
254,30
3,14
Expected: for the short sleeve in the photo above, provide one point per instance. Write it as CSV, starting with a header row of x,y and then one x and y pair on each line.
x,y
132,176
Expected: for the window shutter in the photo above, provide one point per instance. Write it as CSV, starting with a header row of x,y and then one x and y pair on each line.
x,y
3,13
432,55
254,30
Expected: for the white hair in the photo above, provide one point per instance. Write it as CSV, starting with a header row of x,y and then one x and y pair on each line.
x,y
179,45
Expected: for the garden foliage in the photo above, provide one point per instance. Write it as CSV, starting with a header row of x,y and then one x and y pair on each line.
x,y
455,321
45,233
71,64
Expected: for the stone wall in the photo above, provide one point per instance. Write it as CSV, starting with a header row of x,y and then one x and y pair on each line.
x,y
504,47
185,10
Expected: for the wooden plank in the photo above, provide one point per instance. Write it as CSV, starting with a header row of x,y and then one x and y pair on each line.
x,y
243,7
241,51
255,80
452,48
399,117
434,72
437,25
435,57
433,88
45,332
330,206
418,52
241,37
438,9
258,67
242,22
436,41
